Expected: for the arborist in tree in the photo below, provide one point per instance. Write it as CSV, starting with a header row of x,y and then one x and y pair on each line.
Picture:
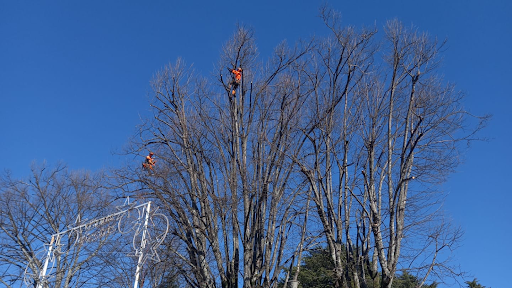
x,y
149,163
237,78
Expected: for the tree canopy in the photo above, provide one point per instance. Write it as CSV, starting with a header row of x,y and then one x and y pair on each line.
x,y
339,140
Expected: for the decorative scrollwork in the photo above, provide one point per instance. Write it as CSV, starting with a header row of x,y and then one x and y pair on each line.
x,y
153,235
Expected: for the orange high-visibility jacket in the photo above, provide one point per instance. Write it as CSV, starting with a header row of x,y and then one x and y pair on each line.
x,y
150,160
238,74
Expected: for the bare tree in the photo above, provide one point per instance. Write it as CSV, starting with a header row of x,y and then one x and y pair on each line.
x,y
223,169
384,132
361,128
332,154
32,210
426,123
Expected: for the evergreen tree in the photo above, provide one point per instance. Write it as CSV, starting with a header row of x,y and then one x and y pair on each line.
x,y
407,280
474,284
317,271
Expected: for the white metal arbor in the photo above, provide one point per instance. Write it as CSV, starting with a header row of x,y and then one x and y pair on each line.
x,y
131,218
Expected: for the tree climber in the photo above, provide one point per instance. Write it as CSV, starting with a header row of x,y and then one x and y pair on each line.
x,y
150,162
237,77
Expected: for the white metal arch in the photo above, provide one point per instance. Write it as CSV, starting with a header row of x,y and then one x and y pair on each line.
x,y
122,222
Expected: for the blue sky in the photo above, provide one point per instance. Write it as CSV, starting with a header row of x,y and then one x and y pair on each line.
x,y
74,79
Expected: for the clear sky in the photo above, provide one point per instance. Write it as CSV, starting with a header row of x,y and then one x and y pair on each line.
x,y
74,78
